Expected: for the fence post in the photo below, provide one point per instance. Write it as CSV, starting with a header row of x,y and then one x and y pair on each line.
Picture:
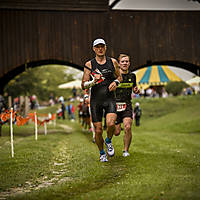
x,y
11,132
45,128
36,130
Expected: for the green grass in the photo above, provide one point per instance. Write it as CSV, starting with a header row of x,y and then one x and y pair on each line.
x,y
164,162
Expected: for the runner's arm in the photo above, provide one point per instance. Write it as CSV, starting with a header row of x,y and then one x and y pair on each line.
x,y
117,71
86,82
135,89
118,76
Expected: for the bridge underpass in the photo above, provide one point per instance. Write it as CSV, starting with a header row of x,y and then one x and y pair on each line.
x,y
32,35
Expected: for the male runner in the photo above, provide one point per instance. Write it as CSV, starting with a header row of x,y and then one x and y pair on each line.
x,y
105,78
123,98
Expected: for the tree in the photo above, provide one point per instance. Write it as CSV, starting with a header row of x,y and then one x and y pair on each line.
x,y
40,81
175,87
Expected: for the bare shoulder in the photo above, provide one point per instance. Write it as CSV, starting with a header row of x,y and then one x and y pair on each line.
x,y
114,61
88,64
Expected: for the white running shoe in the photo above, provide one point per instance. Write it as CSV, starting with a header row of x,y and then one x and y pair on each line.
x,y
103,158
110,149
126,153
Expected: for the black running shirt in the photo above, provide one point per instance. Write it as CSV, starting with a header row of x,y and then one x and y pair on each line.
x,y
100,91
124,89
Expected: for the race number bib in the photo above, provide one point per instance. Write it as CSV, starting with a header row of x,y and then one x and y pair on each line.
x,y
121,107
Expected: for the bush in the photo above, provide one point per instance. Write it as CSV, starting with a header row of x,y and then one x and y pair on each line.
x,y
175,87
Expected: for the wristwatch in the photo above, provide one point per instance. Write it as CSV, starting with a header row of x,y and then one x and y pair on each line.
x,y
117,82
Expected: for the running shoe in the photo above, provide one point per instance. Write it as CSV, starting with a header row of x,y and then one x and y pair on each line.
x,y
126,153
103,158
110,149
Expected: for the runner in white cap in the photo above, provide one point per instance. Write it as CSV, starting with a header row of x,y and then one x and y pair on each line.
x,y
105,78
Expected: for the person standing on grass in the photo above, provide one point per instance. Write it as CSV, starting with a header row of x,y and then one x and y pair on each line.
x,y
137,113
63,109
105,77
86,115
124,104
80,110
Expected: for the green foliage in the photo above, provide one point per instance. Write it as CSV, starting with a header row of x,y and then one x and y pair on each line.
x,y
164,158
41,81
175,87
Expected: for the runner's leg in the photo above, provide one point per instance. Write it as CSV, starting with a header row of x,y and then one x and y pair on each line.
x,y
127,132
110,120
117,129
98,135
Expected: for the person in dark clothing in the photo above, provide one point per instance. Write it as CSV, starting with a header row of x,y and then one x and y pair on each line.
x,y
2,104
124,104
86,116
105,76
63,109
74,92
137,113
80,110
3,107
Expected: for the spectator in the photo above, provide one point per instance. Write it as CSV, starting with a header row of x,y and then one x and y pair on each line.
x,y
137,114
189,91
70,111
142,92
63,109
74,92
149,92
16,104
61,98
73,112
80,110
164,93
34,102
2,108
86,116
51,99
59,113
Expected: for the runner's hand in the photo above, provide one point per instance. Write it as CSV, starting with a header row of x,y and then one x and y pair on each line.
x,y
112,86
97,77
136,90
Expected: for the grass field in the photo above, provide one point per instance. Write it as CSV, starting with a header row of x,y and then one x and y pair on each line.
x,y
164,162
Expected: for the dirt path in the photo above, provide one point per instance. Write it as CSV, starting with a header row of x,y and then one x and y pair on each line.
x,y
58,171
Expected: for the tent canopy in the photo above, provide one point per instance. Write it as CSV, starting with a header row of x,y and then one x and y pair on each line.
x,y
71,84
194,81
155,75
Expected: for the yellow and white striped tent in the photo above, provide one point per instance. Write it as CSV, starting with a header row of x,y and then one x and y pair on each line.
x,y
155,75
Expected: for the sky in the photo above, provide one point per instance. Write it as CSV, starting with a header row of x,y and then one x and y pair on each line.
x,y
157,5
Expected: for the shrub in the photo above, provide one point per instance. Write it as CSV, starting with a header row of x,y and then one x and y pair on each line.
x,y
175,88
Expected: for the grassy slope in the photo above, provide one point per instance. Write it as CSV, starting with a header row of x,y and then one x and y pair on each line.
x,y
164,161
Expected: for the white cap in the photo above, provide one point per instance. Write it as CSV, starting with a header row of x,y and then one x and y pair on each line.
x,y
137,104
98,41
